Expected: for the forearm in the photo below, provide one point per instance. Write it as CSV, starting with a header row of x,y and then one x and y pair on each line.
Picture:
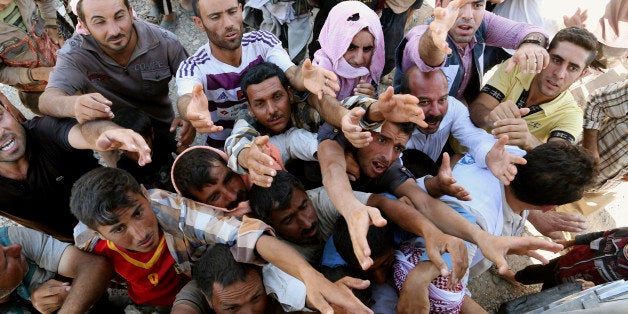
x,y
284,257
84,136
56,103
329,109
589,140
92,279
429,52
403,215
14,75
479,114
335,180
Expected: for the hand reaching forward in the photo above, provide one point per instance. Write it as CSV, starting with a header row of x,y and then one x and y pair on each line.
x,y
124,139
579,19
326,296
198,112
352,130
400,108
502,163
257,160
445,183
507,110
92,106
186,135
318,80
437,243
495,248
552,223
359,218
444,20
530,57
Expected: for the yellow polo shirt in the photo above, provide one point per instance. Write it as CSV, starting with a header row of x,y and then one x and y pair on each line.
x,y
561,117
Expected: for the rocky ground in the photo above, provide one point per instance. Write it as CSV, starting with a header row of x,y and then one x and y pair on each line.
x,y
488,290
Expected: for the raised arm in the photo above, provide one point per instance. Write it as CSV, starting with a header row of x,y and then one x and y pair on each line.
x,y
334,171
91,275
315,79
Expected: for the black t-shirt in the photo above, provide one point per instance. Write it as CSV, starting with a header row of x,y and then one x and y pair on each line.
x,y
42,200
389,181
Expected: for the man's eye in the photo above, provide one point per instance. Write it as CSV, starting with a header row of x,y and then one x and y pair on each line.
x,y
381,140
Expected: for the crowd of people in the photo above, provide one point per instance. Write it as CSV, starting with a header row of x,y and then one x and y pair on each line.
x,y
315,187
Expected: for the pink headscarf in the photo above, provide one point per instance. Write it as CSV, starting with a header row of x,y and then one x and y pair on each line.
x,y
335,38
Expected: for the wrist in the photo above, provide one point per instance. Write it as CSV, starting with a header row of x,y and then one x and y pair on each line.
x,y
534,38
243,156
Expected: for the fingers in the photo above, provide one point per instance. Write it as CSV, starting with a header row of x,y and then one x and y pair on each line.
x,y
125,139
511,65
352,130
364,89
537,256
387,94
434,253
353,283
445,167
375,217
91,107
259,162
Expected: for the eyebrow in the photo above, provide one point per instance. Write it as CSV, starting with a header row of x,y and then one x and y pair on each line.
x,y
563,59
102,17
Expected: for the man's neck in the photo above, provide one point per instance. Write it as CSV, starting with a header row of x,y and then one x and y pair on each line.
x,y
515,204
16,170
535,97
230,57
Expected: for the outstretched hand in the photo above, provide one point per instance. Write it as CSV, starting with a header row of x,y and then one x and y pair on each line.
x,y
352,130
257,160
359,218
501,162
446,183
198,112
579,19
325,296
124,139
444,20
495,248
400,108
437,243
552,223
319,80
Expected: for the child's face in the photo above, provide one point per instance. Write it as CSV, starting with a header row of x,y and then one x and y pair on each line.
x,y
381,266
137,228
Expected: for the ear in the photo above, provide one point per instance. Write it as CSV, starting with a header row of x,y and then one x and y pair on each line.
x,y
83,26
290,94
199,23
585,72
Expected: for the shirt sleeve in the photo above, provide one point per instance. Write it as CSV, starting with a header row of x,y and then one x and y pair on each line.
x,y
242,134
477,140
188,75
52,130
67,75
506,33
501,82
41,248
48,9
297,144
411,51
610,101
276,54
569,127
205,225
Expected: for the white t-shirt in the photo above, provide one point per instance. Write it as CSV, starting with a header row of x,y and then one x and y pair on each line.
x,y
221,81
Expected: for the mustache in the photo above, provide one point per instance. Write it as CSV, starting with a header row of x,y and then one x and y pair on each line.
x,y
114,37
433,119
239,199
275,116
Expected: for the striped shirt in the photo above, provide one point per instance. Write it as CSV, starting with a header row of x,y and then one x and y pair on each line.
x,y
607,112
221,81
11,15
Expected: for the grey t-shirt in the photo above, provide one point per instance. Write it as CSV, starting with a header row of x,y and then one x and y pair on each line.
x,y
43,255
82,67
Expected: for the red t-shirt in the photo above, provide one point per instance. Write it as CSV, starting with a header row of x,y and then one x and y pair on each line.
x,y
152,277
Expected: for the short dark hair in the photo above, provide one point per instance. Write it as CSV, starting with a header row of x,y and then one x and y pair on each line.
x,y
195,9
556,173
81,13
97,194
380,240
217,265
579,37
405,127
419,163
191,171
260,73
277,197
134,119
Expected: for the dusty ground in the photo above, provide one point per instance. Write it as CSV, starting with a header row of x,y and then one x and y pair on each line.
x,y
488,290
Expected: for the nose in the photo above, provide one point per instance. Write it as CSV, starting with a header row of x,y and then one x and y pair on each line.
x,y
304,221
137,231
228,195
465,12
561,71
432,110
358,57
13,250
271,108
